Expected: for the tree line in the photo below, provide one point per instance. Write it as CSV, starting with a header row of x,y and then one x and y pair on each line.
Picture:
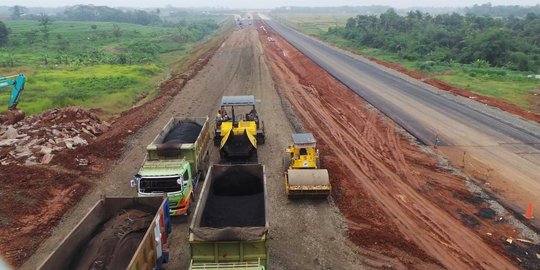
x,y
92,13
483,9
502,11
511,42
108,14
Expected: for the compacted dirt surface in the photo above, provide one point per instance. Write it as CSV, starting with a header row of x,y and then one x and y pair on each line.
x,y
304,235
397,199
393,206
500,149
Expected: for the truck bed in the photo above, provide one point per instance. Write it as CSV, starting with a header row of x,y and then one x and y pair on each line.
x,y
113,235
181,138
183,132
230,223
233,199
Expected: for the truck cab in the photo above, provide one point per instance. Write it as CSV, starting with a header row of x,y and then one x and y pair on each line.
x,y
173,178
175,161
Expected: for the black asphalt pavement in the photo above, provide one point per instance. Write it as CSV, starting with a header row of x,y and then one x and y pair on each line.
x,y
385,90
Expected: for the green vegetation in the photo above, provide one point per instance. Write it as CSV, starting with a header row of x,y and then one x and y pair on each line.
x,y
4,33
107,14
449,38
313,24
502,11
102,65
488,56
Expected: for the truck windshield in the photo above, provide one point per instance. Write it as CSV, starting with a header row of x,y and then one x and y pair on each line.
x,y
160,184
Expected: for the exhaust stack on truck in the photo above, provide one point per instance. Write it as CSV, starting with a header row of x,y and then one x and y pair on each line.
x,y
230,225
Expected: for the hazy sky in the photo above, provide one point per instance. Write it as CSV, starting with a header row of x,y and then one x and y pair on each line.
x,y
267,3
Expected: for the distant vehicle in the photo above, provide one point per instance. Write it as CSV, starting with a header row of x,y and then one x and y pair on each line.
x,y
230,224
175,162
117,233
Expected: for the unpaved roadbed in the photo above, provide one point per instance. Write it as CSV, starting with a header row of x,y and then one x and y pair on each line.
x,y
500,148
409,204
398,206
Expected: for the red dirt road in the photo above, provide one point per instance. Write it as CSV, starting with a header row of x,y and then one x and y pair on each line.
x,y
396,198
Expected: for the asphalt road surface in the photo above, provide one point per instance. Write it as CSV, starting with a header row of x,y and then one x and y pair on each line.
x,y
495,146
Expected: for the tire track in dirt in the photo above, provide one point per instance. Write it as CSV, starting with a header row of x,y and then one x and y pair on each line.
x,y
374,160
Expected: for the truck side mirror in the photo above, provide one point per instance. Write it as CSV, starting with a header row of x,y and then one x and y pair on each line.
x,y
134,182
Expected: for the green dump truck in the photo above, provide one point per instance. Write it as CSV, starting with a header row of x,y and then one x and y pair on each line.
x,y
117,233
175,162
230,224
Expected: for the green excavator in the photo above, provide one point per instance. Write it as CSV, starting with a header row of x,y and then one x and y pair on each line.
x,y
13,115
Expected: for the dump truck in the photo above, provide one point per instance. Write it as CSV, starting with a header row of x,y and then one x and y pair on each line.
x,y
117,233
230,224
239,133
175,162
304,177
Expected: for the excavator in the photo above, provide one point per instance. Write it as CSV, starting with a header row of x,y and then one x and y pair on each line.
x,y
13,115
238,134
304,177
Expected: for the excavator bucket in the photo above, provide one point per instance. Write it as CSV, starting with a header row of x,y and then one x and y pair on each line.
x,y
238,148
302,183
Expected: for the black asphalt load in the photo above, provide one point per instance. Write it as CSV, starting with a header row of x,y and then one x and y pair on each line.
x,y
235,200
184,132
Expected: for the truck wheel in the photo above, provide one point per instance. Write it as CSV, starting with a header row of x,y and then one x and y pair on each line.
x,y
260,138
190,207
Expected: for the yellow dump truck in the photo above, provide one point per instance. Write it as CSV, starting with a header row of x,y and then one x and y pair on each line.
x,y
303,177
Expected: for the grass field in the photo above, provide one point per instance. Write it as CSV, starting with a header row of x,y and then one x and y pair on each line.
x,y
102,65
313,24
510,86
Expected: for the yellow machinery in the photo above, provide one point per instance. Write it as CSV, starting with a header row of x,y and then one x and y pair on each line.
x,y
304,178
238,133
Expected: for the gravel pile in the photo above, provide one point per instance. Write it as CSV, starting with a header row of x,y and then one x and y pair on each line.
x,y
36,139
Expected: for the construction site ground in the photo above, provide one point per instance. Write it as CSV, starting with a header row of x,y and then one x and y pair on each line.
x,y
393,204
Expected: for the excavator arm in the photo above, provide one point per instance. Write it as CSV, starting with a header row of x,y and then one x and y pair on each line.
x,y
17,82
